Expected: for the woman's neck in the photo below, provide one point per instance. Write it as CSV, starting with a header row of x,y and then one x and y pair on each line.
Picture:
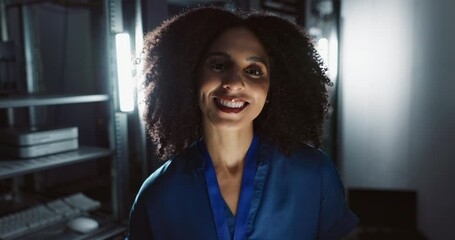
x,y
228,148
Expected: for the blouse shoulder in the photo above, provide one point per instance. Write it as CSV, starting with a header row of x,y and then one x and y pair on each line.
x,y
336,219
315,167
155,177
169,174
306,157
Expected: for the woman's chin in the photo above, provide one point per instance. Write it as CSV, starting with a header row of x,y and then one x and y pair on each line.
x,y
229,124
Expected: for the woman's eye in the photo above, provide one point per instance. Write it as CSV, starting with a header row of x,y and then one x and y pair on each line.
x,y
255,72
217,67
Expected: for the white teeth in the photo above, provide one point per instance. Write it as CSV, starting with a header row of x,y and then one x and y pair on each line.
x,y
230,104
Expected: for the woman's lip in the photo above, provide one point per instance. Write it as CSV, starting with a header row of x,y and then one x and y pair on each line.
x,y
229,109
231,99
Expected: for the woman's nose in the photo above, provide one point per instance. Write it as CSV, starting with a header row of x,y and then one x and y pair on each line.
x,y
234,80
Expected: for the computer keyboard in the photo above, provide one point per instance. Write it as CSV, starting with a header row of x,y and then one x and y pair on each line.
x,y
82,202
43,215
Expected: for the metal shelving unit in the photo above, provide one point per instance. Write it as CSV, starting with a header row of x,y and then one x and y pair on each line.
x,y
15,167
10,167
114,136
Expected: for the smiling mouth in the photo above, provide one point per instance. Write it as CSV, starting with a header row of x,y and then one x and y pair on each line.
x,y
230,105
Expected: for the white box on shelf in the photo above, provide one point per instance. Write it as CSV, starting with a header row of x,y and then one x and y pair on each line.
x,y
25,136
38,150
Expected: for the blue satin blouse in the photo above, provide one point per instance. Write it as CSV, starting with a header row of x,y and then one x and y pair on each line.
x,y
295,197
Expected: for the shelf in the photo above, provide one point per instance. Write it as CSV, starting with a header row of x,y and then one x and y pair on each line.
x,y
14,167
107,229
39,100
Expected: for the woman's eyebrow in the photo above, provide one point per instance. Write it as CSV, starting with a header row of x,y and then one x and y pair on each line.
x,y
249,59
217,53
258,59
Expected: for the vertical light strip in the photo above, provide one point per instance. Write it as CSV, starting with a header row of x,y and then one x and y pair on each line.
x,y
124,72
328,50
323,49
333,57
3,22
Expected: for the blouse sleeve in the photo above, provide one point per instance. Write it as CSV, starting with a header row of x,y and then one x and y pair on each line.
x,y
139,227
336,220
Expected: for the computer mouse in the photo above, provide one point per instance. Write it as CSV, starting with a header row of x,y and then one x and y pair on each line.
x,y
83,224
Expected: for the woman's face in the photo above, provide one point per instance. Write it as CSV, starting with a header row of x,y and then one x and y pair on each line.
x,y
233,80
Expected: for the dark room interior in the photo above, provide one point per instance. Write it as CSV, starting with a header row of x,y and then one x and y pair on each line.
x,y
73,143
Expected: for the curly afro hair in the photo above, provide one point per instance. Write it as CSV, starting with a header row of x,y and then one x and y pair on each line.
x,y
297,99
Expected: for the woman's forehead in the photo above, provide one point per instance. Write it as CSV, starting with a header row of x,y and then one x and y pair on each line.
x,y
238,41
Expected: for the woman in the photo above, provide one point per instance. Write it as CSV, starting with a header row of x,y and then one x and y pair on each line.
x,y
234,101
